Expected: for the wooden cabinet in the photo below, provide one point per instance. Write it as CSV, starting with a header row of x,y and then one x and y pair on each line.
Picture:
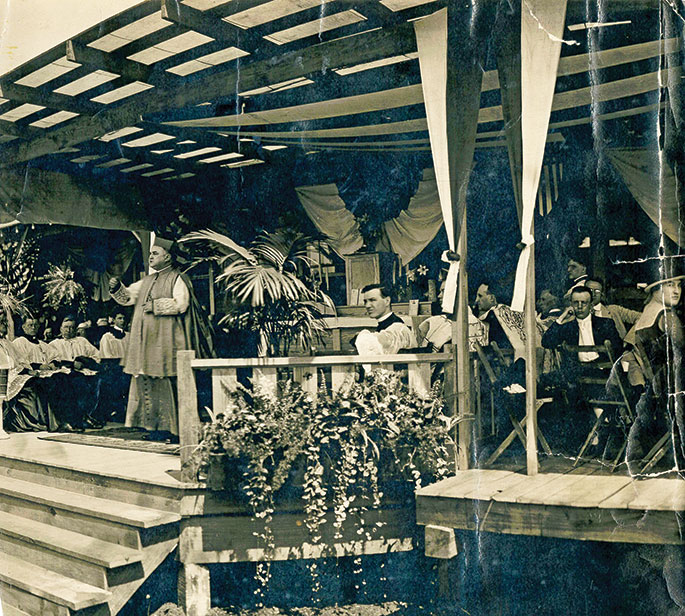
x,y
367,268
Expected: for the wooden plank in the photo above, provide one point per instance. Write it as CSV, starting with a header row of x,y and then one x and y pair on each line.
x,y
580,491
100,60
518,492
224,381
266,377
579,523
654,494
420,379
47,98
194,592
463,482
341,376
585,524
323,360
30,604
309,381
188,418
49,585
209,24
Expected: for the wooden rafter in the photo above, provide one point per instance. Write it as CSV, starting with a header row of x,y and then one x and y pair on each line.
x,y
292,64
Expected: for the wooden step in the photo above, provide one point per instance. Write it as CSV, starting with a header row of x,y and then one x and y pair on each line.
x,y
95,562
124,490
47,585
110,521
123,513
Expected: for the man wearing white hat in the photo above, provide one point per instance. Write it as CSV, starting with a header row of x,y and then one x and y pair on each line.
x,y
159,329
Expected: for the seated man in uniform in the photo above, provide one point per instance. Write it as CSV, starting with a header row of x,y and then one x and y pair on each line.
x,y
391,333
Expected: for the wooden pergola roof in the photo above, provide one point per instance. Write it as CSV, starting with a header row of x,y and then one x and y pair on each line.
x,y
169,90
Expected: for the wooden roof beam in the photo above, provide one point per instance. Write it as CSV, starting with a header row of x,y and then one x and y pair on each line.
x,y
19,130
211,25
205,138
52,100
355,50
133,71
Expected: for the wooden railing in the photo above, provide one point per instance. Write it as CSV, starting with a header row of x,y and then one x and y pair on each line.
x,y
335,370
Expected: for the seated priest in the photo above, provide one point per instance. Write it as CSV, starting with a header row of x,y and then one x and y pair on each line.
x,y
114,383
30,346
74,388
24,409
391,333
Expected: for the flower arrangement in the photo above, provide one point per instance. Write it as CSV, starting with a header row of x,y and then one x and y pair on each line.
x,y
338,454
61,290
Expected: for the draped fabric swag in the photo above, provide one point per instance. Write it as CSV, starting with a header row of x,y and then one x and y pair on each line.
x,y
542,26
639,168
327,211
33,195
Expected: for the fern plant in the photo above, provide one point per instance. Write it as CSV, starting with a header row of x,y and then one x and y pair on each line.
x,y
269,289
17,263
61,290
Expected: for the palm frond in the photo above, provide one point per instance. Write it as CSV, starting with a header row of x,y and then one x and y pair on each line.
x,y
219,242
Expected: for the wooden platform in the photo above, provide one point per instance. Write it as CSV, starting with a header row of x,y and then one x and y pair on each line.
x,y
583,503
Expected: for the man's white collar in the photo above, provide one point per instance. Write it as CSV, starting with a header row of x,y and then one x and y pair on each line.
x,y
384,317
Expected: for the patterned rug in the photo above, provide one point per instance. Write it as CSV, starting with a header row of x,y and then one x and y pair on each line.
x,y
117,438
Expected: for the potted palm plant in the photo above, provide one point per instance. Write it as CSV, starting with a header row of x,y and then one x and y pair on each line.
x,y
269,288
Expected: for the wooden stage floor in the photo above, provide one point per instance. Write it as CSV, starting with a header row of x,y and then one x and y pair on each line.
x,y
143,467
584,503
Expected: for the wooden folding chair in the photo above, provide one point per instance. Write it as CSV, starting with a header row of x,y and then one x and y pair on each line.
x,y
519,430
661,447
492,377
623,404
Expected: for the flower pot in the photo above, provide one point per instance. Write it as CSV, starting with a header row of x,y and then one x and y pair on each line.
x,y
224,473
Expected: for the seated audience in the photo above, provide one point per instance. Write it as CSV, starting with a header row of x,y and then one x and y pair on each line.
x,y
391,333
548,308
660,335
577,271
73,389
618,314
578,326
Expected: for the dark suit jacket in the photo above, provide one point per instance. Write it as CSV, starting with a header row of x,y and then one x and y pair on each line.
x,y
602,329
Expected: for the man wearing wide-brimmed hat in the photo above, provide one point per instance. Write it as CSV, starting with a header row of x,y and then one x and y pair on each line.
x,y
659,339
162,325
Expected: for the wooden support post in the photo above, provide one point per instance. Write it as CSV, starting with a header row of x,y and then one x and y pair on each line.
x,y
463,360
212,298
188,418
341,375
420,378
224,381
266,378
531,370
194,593
440,542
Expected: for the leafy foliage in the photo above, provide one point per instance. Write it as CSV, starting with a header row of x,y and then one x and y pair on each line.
x,y
17,264
337,454
62,291
269,287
